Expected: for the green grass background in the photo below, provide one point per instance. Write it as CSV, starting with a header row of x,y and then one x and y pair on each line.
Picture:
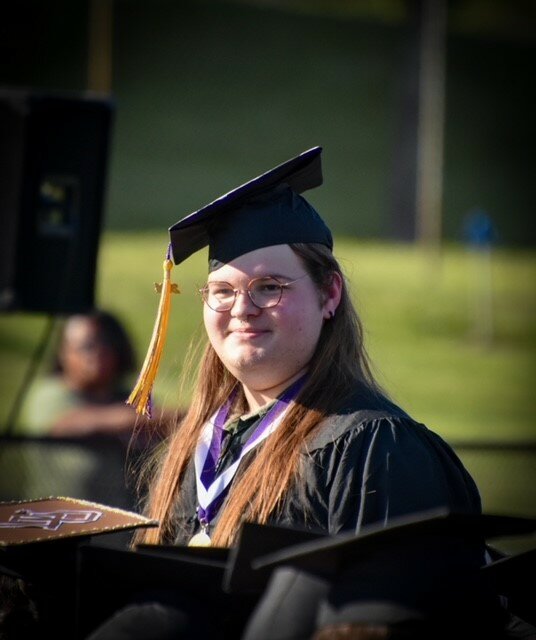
x,y
421,332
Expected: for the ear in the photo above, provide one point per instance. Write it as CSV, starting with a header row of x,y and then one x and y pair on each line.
x,y
332,296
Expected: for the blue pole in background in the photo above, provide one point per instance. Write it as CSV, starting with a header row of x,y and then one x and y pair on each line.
x,y
480,235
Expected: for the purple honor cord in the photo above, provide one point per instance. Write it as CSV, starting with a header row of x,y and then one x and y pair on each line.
x,y
212,488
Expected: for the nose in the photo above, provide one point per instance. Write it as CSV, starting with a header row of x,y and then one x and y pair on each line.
x,y
243,306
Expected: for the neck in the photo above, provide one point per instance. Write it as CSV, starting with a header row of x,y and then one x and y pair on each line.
x,y
257,397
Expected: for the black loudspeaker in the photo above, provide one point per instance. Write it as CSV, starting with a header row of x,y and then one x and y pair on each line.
x,y
53,166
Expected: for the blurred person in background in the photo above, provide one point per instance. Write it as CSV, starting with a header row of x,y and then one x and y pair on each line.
x,y
85,393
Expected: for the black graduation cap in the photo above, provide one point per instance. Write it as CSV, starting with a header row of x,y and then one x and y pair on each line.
x,y
193,579
423,569
255,541
265,211
187,577
512,576
331,553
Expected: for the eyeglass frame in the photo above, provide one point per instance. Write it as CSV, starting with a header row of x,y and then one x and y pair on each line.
x,y
283,285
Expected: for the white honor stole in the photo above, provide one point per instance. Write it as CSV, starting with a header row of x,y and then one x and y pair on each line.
x,y
206,495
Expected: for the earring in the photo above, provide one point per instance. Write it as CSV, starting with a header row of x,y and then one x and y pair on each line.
x,y
331,315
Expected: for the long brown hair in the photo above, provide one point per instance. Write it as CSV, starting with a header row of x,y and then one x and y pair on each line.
x,y
339,361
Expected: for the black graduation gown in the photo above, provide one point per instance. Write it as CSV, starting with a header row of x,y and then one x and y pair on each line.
x,y
367,463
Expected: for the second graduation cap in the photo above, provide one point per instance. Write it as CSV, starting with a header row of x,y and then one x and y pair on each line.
x,y
422,570
331,554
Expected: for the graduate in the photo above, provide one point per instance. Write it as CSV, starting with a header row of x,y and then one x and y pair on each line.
x,y
287,425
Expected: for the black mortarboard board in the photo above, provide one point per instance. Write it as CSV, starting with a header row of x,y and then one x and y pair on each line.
x,y
111,579
265,211
219,579
331,553
188,578
416,568
513,576
254,541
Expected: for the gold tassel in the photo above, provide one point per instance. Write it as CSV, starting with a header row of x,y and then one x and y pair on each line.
x,y
140,398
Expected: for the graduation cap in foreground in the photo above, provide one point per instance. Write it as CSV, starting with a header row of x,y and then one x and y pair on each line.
x,y
40,542
56,518
422,570
219,579
112,579
254,542
265,211
512,576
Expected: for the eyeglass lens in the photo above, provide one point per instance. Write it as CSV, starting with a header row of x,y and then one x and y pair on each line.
x,y
263,292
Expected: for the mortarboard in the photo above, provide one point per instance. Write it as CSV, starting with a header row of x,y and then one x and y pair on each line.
x,y
219,580
421,569
265,211
512,576
255,541
329,554
110,579
26,522
40,542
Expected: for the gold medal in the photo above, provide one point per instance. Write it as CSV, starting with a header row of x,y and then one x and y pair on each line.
x,y
200,539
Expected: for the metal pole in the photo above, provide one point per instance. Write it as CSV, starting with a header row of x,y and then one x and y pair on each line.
x,y
100,37
430,133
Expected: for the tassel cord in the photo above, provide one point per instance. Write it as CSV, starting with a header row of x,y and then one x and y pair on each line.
x,y
140,398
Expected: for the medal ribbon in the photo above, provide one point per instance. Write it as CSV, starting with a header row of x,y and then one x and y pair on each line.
x,y
212,488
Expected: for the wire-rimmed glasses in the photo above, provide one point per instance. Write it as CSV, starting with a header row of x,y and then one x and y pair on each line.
x,y
264,292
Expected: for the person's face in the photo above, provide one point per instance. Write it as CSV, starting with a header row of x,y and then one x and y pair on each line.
x,y
88,363
264,348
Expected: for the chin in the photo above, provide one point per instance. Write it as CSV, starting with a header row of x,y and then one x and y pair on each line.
x,y
244,363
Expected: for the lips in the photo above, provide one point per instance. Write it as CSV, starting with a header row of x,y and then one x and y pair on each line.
x,y
248,332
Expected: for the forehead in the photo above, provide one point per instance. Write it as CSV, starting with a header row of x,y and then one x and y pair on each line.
x,y
274,260
78,329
